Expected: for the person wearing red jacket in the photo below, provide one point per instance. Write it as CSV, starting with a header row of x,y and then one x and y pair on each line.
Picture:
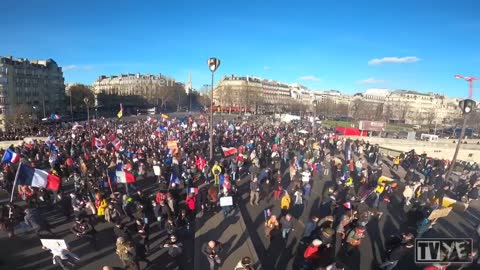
x,y
191,202
311,253
200,162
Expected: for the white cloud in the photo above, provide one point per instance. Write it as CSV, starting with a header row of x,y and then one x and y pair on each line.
x,y
77,67
310,78
266,67
371,81
69,67
393,60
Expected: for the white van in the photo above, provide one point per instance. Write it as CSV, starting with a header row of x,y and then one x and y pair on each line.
x,y
429,137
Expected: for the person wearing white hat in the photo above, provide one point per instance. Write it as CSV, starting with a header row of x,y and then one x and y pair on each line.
x,y
311,253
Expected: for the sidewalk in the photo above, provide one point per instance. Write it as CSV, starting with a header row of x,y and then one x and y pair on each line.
x,y
233,235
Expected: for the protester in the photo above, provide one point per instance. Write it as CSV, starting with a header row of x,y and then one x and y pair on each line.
x,y
175,250
270,225
212,250
126,252
82,228
286,224
281,162
244,264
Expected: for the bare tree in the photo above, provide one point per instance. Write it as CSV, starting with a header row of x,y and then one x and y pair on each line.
x,y
403,111
78,93
387,112
429,116
379,112
163,93
356,108
342,109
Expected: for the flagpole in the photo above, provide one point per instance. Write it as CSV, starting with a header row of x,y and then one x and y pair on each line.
x,y
15,182
109,181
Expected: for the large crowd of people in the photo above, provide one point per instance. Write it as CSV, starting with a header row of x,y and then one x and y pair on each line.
x,y
174,183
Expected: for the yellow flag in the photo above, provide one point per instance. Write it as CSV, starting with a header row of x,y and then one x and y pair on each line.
x,y
164,116
120,113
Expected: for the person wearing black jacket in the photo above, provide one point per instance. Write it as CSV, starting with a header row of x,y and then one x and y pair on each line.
x,y
212,250
144,233
175,250
395,254
120,230
37,222
171,227
83,229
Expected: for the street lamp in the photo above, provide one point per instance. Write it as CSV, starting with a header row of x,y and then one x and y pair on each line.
x,y
213,64
467,106
470,80
88,114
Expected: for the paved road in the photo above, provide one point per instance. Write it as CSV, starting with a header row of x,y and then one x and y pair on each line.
x,y
229,231
24,252
287,255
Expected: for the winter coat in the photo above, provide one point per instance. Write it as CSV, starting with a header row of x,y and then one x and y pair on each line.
x,y
285,202
101,206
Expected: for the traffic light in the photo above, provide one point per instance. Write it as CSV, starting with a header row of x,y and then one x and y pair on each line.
x,y
467,106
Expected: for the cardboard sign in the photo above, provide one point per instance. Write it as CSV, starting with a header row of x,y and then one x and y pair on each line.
x,y
119,131
156,170
172,145
53,244
226,201
439,213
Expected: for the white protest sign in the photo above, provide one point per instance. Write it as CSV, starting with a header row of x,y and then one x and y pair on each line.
x,y
226,201
54,243
156,170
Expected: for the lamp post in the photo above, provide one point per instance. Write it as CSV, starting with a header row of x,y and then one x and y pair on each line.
x,y
213,64
88,115
467,106
470,80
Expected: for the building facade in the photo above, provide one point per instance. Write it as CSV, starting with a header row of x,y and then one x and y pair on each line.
x,y
29,89
405,107
141,90
253,94
394,106
411,107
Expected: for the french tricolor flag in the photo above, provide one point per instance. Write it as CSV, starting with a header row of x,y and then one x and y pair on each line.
x,y
10,157
55,117
28,176
125,177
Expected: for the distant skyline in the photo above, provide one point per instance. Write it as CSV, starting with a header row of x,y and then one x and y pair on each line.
x,y
349,46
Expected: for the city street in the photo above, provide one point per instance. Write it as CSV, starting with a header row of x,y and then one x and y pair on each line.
x,y
280,255
25,252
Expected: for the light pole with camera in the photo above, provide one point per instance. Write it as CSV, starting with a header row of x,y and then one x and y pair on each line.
x,y
213,64
467,106
86,101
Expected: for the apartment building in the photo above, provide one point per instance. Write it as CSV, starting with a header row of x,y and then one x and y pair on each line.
x,y
253,93
147,89
29,89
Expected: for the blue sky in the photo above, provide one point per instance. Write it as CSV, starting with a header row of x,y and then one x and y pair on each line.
x,y
321,44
